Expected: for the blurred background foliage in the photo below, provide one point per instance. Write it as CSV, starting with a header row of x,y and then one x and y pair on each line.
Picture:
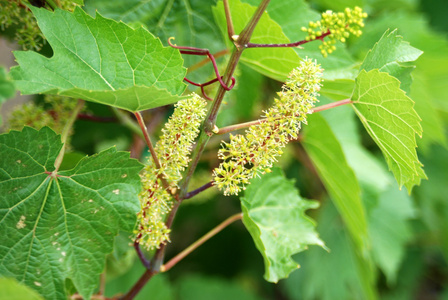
x,y
409,233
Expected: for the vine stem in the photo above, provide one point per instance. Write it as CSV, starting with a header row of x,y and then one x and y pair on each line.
x,y
144,130
234,127
210,120
198,190
65,133
331,105
204,136
288,45
200,241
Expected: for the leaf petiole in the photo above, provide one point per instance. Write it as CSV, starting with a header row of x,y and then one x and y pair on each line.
x,y
200,241
65,133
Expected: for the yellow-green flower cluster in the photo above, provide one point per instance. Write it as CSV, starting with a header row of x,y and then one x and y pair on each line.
x,y
173,149
336,27
253,154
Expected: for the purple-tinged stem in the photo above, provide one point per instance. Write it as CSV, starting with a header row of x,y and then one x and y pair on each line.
x,y
288,45
198,190
141,256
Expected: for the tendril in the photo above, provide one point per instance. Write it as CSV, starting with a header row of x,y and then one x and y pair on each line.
x,y
204,52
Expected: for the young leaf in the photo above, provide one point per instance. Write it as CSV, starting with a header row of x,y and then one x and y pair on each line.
x,y
275,63
59,225
429,86
390,119
339,179
100,60
274,215
389,54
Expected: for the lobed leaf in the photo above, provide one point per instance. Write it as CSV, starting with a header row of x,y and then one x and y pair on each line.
x,y
275,63
100,60
274,215
431,75
163,18
338,177
60,225
389,54
390,119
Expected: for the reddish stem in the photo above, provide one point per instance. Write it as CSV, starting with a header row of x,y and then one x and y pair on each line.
x,y
198,190
288,45
205,52
141,256
234,127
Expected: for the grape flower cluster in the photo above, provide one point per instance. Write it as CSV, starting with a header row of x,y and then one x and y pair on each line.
x,y
254,153
173,149
336,27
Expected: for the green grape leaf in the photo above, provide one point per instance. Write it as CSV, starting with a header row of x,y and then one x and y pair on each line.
x,y
431,75
100,60
274,215
10,289
162,18
59,225
275,63
339,179
390,119
388,209
389,54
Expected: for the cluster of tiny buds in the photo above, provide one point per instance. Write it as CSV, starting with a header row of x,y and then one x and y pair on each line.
x,y
173,149
336,27
253,154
